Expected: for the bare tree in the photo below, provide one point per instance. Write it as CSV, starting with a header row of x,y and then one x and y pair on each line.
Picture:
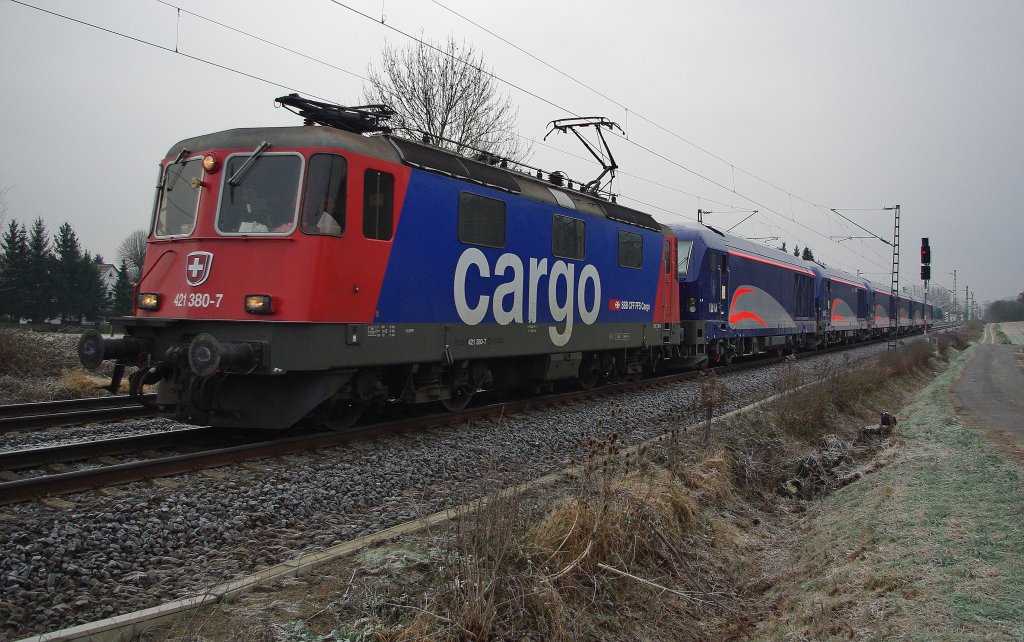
x,y
3,205
132,251
446,92
940,297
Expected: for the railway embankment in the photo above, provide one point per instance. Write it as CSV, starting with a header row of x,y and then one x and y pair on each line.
x,y
798,519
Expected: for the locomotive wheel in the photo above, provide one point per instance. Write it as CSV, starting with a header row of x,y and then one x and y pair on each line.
x,y
459,399
589,374
588,379
343,414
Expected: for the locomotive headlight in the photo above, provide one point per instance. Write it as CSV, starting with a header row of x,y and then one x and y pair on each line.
x,y
258,304
148,301
692,304
210,163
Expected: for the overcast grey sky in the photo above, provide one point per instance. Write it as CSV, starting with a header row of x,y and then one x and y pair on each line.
x,y
845,105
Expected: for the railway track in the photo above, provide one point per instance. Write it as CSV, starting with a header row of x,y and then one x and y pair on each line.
x,y
20,490
30,488
47,414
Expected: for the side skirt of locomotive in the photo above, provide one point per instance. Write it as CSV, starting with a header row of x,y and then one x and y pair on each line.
x,y
274,375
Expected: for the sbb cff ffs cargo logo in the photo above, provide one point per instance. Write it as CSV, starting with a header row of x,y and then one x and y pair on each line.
x,y
618,305
197,267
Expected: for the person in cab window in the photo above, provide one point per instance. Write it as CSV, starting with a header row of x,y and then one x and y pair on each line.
x,y
318,215
255,213
326,222
282,219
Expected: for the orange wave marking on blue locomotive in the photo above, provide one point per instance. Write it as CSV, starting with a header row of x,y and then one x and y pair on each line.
x,y
753,309
842,313
880,314
735,317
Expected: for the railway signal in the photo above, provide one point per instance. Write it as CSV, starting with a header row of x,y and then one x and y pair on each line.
x,y
926,273
926,259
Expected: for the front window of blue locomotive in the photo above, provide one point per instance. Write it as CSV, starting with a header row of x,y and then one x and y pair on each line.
x,y
683,257
689,286
178,199
264,200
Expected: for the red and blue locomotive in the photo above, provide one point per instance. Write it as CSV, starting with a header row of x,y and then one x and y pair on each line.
x,y
302,274
307,272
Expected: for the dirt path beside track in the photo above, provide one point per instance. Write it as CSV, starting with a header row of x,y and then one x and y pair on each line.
x,y
990,392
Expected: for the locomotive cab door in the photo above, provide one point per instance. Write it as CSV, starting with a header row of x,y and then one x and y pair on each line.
x,y
826,305
669,283
723,283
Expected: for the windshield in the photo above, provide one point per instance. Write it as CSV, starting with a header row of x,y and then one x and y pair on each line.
x,y
265,203
179,199
683,256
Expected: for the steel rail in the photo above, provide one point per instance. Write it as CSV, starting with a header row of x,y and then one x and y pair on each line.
x,y
46,414
78,451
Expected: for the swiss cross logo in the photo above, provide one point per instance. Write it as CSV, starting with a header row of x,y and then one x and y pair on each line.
x,y
614,304
197,267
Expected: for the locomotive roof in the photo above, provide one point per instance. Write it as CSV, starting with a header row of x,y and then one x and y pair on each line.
x,y
722,241
887,290
427,157
833,273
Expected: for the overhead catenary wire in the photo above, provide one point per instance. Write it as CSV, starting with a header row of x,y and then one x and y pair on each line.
x,y
170,50
261,39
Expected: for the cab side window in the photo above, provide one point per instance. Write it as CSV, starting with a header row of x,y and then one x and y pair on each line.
x,y
378,205
323,200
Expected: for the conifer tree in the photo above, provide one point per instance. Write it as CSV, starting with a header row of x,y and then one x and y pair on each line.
x,y
808,255
13,267
95,300
121,300
41,303
70,275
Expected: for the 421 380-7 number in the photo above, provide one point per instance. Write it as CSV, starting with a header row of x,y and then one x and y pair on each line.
x,y
197,300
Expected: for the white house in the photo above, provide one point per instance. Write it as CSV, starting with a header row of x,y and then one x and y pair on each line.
x,y
108,275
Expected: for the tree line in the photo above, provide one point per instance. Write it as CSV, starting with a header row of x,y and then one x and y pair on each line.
x,y
43,278
1001,311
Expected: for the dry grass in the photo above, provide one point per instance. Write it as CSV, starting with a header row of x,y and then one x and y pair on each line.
x,y
79,383
946,340
625,551
43,366
809,413
33,354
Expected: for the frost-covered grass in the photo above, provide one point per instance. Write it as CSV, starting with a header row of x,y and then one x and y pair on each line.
x,y
929,547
